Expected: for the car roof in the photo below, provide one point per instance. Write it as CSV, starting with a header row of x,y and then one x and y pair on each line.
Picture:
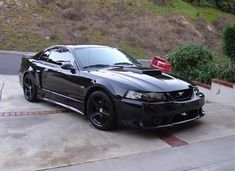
x,y
85,46
78,46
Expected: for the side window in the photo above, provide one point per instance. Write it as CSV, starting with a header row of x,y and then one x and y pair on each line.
x,y
44,56
83,55
61,56
38,55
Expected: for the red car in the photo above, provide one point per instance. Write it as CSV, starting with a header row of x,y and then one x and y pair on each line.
x,y
161,64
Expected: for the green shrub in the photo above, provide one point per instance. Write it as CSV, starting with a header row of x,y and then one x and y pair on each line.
x,y
229,41
202,2
196,62
227,73
204,73
225,68
226,5
193,62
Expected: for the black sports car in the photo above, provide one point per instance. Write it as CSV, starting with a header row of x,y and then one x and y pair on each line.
x,y
109,86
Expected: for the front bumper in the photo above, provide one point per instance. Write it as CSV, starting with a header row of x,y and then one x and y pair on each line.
x,y
159,114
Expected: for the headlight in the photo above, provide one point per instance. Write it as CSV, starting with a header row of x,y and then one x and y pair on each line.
x,y
196,90
145,96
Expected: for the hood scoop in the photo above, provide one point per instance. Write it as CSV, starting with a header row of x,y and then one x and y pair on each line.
x,y
141,70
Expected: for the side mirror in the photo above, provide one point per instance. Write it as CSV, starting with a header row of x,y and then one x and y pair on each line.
x,y
68,66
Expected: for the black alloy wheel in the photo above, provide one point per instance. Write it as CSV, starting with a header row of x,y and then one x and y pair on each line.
x,y
29,87
101,111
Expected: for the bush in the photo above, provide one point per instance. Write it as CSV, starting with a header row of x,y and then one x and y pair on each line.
x,y
227,73
226,5
201,2
196,62
225,68
204,73
193,62
229,41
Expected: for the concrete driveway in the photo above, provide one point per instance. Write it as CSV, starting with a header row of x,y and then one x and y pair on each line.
x,y
36,136
42,136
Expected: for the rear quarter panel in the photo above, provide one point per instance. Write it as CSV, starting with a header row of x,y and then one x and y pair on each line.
x,y
26,65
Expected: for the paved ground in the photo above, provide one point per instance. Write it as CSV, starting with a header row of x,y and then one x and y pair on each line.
x,y
194,157
36,136
41,136
10,61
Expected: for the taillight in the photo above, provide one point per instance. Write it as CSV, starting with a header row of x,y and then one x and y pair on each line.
x,y
161,64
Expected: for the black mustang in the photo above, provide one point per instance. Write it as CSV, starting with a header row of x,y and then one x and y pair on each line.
x,y
109,86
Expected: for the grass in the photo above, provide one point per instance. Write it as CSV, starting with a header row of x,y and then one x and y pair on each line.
x,y
181,7
22,31
133,50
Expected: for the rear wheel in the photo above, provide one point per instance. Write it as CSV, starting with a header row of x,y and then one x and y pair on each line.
x,y
29,88
101,111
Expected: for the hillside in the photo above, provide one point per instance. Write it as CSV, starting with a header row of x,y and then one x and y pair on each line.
x,y
139,26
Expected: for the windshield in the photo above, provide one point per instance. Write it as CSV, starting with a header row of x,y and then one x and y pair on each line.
x,y
103,57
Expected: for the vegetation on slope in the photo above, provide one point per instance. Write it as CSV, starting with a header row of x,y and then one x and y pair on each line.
x,y
139,26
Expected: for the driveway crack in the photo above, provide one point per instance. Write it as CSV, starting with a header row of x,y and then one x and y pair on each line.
x,y
1,91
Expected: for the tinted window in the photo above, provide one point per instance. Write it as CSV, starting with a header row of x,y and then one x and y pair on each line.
x,y
103,55
83,55
44,56
38,55
59,57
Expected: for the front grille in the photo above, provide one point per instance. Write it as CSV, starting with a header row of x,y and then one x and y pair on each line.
x,y
187,116
182,95
164,121
168,120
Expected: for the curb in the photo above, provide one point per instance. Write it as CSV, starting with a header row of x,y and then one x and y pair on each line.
x,y
16,52
224,83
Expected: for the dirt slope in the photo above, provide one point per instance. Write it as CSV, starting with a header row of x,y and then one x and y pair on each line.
x,y
32,25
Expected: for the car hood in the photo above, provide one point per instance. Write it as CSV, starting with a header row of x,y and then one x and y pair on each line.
x,y
140,78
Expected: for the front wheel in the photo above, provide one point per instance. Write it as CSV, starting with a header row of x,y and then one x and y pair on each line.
x,y
101,111
29,88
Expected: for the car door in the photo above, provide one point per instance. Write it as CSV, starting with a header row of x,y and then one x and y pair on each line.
x,y
61,84
41,67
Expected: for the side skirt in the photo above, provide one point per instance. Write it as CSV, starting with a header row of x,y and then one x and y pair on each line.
x,y
66,106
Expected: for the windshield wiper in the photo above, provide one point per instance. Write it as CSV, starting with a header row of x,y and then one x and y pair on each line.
x,y
123,63
96,66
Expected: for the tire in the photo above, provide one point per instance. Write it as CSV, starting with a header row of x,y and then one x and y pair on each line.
x,y
101,111
29,88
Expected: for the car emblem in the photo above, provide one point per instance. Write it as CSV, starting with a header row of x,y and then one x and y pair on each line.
x,y
181,93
